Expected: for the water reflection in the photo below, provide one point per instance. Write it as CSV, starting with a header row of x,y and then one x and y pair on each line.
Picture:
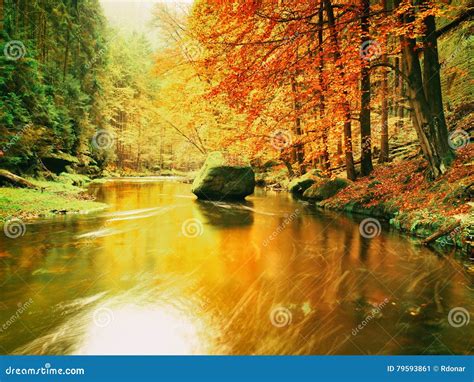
x,y
226,214
214,292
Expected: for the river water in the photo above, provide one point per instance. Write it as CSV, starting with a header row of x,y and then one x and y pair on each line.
x,y
162,273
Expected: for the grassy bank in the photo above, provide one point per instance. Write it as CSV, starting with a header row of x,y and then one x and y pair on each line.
x,y
63,196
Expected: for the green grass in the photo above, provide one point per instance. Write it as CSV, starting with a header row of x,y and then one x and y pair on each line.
x,y
52,198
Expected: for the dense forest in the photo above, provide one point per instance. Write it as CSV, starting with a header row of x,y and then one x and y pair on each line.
x,y
327,85
69,86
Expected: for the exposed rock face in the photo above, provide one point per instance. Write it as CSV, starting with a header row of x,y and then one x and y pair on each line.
x,y
220,179
324,189
58,162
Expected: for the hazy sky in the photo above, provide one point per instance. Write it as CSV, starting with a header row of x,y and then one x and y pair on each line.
x,y
135,15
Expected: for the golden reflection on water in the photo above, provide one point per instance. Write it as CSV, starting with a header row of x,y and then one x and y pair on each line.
x,y
149,330
164,289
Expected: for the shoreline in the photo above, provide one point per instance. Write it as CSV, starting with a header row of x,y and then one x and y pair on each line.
x,y
56,198
439,212
457,238
52,198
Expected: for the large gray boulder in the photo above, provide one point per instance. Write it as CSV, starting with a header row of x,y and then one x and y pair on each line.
x,y
325,189
221,179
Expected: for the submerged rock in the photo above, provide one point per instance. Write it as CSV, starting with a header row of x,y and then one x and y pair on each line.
x,y
221,178
325,189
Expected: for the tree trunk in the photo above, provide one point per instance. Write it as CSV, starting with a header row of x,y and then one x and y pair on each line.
x,y
427,125
350,168
441,232
400,90
1,15
8,178
326,165
291,173
366,166
298,150
66,52
432,87
384,150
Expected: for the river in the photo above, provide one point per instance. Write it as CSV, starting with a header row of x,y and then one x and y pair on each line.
x,y
162,273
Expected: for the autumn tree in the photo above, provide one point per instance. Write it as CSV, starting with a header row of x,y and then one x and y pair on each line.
x,y
423,82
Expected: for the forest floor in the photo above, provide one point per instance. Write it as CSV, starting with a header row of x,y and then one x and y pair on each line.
x,y
51,198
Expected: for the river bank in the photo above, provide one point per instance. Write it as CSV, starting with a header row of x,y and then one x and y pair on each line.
x,y
401,194
65,195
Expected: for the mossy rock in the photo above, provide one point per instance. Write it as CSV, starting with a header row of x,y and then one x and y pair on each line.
x,y
325,188
74,179
57,162
219,180
299,185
